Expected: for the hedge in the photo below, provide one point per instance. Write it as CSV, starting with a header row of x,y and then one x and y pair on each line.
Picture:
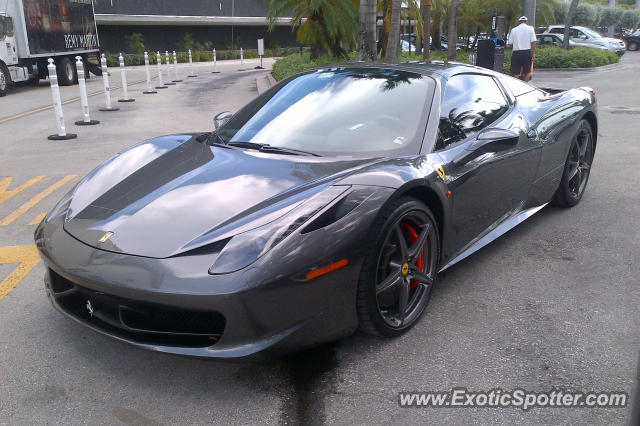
x,y
546,57
197,56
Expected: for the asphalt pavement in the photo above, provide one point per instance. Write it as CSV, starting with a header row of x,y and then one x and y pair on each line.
x,y
552,304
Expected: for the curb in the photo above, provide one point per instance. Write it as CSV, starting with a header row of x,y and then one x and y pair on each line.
x,y
264,82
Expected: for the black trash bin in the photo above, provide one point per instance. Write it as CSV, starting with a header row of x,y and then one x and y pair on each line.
x,y
489,55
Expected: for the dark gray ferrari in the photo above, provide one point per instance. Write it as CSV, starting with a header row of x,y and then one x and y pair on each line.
x,y
326,204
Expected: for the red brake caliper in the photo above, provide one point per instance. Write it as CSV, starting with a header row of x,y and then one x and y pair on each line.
x,y
413,236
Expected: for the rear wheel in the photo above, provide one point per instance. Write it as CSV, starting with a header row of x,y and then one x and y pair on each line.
x,y
5,78
633,46
399,270
577,168
66,72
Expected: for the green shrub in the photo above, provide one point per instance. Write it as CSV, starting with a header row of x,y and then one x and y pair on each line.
x,y
579,57
546,57
297,62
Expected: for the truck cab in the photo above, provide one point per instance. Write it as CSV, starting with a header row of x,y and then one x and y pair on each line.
x,y
32,31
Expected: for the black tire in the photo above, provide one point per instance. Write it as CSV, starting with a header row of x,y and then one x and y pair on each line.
x,y
388,277
5,80
66,70
577,167
633,46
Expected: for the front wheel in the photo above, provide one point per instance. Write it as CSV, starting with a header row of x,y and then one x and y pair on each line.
x,y
633,46
576,168
399,270
5,78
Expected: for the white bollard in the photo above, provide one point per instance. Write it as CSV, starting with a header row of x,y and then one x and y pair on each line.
x,y
84,102
149,90
241,56
57,105
191,65
176,79
159,64
107,90
123,74
214,63
168,67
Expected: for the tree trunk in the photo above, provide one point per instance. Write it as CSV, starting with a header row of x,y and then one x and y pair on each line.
x,y
529,10
426,25
453,32
567,24
367,50
394,32
612,28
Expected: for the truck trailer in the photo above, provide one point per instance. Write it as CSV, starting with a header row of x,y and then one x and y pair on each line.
x,y
32,31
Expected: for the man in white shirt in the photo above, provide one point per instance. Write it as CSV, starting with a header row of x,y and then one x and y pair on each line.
x,y
523,40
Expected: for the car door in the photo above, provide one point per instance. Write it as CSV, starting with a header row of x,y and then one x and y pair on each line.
x,y
489,161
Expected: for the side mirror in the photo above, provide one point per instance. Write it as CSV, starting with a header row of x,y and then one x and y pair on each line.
x,y
221,119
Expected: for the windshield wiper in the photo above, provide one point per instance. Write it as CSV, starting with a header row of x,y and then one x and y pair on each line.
x,y
265,147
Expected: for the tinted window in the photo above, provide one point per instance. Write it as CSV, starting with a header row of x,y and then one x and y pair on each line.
x,y
557,30
471,102
339,111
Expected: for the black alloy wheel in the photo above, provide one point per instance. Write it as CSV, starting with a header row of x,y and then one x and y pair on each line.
x,y
577,167
400,269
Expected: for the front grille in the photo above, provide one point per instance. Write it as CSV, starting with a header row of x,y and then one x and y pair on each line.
x,y
136,320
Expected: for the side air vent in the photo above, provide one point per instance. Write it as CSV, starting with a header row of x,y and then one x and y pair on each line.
x,y
338,210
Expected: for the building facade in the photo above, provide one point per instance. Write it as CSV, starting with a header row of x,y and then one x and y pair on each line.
x,y
170,24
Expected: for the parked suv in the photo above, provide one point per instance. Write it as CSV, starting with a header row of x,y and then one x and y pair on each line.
x,y
584,35
633,40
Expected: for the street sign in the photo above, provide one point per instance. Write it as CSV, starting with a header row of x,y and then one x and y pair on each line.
x,y
260,47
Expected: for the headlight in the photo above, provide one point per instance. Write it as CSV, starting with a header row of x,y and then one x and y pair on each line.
x,y
245,248
62,207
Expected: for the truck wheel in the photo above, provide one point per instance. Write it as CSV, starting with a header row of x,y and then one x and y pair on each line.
x,y
66,72
5,79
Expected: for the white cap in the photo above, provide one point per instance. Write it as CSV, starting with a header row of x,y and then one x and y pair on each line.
x,y
523,18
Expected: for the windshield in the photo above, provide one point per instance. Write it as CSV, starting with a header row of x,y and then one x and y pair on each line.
x,y
339,111
591,33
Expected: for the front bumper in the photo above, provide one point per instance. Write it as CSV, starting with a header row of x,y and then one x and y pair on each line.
x,y
269,306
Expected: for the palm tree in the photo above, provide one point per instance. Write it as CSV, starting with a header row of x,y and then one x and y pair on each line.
x,y
453,34
394,32
325,25
570,14
367,50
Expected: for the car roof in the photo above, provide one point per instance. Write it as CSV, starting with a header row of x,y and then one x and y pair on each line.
x,y
437,69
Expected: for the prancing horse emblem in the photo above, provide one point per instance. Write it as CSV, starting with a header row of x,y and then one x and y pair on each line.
x,y
90,307
105,237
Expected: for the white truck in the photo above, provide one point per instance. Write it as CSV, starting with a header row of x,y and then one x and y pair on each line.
x,y
32,31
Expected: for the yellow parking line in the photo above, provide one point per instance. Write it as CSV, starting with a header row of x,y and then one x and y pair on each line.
x,y
35,200
68,101
5,182
36,220
27,258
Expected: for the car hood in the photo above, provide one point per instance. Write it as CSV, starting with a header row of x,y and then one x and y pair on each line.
x,y
156,198
600,41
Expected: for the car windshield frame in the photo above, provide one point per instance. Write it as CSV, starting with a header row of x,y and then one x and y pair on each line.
x,y
241,122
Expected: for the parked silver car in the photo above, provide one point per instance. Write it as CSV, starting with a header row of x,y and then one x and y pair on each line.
x,y
584,35
551,39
